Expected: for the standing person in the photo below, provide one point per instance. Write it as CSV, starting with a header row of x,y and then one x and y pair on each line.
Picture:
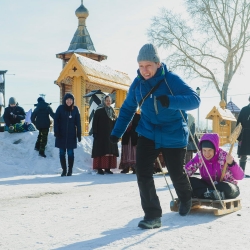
x,y
191,144
104,152
67,128
214,158
13,113
129,142
244,137
161,95
40,117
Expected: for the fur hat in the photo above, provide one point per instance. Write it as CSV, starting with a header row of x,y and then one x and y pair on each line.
x,y
12,101
148,52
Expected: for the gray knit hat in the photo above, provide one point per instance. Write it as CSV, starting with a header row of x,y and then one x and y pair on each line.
x,y
12,101
148,52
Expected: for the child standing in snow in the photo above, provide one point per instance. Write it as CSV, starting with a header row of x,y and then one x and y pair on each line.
x,y
214,158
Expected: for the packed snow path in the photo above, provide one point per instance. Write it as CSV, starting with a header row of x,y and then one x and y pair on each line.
x,y
41,210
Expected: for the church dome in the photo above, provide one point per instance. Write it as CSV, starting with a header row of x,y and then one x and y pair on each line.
x,y
82,12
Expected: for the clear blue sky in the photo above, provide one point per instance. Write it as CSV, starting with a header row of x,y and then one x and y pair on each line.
x,y
32,32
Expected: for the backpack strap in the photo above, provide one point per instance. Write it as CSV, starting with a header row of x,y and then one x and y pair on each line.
x,y
149,93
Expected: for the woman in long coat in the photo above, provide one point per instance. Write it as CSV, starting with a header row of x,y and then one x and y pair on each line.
x,y
244,137
67,128
104,152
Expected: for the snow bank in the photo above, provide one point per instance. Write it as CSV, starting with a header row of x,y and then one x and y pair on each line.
x,y
18,157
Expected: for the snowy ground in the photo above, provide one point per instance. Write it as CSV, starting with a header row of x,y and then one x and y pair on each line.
x,y
41,210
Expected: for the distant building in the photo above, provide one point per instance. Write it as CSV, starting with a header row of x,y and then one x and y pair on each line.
x,y
235,111
222,119
82,71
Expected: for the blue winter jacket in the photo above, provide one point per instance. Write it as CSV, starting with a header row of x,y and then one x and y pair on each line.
x,y
165,126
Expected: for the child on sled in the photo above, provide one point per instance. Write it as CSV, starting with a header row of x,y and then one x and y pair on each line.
x,y
214,158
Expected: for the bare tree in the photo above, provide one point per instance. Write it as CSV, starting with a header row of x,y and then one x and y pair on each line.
x,y
209,43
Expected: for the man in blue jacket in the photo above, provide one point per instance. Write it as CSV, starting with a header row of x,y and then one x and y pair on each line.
x,y
162,128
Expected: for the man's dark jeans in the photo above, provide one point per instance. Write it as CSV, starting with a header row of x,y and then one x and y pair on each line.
x,y
174,159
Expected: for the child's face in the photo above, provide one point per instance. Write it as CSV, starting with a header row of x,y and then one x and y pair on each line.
x,y
208,153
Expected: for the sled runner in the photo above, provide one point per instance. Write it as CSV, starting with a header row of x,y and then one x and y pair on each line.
x,y
230,205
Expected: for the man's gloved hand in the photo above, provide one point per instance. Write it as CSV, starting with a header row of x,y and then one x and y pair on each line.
x,y
113,139
164,100
79,138
57,135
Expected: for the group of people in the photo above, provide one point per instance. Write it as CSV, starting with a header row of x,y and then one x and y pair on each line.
x,y
160,127
164,98
67,126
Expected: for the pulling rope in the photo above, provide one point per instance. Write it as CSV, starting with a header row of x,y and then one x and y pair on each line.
x,y
232,139
203,163
165,178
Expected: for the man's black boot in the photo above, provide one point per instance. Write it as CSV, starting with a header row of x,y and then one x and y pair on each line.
x,y
185,207
150,223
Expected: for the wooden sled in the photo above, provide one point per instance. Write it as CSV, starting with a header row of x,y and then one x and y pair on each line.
x,y
161,173
230,205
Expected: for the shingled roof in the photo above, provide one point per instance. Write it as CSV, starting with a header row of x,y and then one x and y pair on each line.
x,y
232,107
94,72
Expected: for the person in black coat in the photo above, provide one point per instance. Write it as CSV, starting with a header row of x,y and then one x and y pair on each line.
x,y
191,147
13,113
244,137
67,129
104,152
40,117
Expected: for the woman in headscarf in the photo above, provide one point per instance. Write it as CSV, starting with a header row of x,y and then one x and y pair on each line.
x,y
104,152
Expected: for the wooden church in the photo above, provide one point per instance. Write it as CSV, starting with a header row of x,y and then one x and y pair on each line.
x,y
83,72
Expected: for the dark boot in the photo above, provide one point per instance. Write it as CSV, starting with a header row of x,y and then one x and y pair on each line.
x,y
243,165
63,165
185,207
37,146
134,171
107,171
125,170
71,163
150,223
100,171
213,195
41,153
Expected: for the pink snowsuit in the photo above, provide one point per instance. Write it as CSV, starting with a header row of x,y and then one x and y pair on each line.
x,y
214,165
